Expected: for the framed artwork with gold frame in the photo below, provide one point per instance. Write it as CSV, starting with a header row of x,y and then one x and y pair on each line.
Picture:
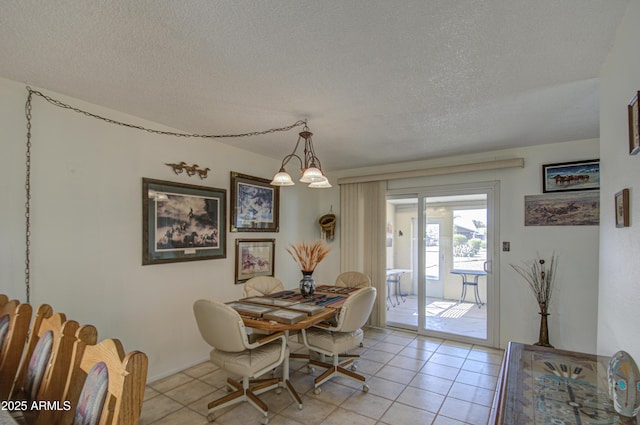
x,y
634,125
622,208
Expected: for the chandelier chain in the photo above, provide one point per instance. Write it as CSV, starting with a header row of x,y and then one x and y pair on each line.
x,y
28,114
27,185
162,132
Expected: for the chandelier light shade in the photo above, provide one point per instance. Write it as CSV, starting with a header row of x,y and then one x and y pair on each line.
x,y
310,167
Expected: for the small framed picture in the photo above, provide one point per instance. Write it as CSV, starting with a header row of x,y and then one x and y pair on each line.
x,y
571,176
254,257
634,125
255,204
622,208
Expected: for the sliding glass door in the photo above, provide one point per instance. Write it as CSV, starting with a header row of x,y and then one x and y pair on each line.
x,y
440,252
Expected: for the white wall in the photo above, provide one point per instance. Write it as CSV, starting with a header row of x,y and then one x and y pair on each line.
x,y
574,308
87,218
619,296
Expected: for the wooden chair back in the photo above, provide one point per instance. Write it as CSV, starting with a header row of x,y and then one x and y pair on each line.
x,y
14,326
46,364
104,368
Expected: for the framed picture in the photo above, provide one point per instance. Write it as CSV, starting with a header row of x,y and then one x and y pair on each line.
x,y
568,176
255,204
622,208
182,222
634,125
254,257
562,209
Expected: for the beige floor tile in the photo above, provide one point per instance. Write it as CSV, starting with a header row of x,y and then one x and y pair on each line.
x,y
170,382
399,339
332,393
313,412
400,413
157,408
200,370
443,420
464,411
441,371
455,351
415,353
432,383
342,416
282,420
190,392
377,355
367,404
422,399
426,343
385,388
408,363
396,374
472,394
388,347
182,417
493,356
150,393
446,359
481,367
477,379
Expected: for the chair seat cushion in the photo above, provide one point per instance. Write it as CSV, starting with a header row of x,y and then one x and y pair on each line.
x,y
333,342
248,362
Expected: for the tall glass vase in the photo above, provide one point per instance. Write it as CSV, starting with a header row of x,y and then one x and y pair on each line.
x,y
543,338
307,284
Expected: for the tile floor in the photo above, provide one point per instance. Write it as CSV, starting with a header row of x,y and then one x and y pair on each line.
x,y
412,380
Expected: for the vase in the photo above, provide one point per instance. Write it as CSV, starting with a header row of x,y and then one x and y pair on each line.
x,y
307,284
543,338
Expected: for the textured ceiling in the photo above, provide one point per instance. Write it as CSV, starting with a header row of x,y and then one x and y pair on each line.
x,y
379,81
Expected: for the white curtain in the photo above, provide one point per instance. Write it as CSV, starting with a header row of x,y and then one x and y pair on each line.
x,y
362,237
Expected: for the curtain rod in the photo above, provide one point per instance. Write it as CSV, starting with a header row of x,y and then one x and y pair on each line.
x,y
437,171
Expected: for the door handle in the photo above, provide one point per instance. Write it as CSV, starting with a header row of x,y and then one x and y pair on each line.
x,y
487,267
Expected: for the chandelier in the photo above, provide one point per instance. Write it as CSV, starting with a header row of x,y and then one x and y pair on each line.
x,y
310,168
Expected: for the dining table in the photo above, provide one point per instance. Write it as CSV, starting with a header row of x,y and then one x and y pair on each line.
x,y
470,278
330,298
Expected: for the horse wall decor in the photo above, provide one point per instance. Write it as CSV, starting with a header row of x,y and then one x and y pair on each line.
x,y
191,170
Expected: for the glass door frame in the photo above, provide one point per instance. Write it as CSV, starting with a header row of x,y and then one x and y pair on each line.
x,y
492,191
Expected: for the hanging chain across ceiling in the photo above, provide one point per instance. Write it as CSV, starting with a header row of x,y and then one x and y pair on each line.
x,y
28,114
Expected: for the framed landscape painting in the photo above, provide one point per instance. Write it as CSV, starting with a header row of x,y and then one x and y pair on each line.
x,y
254,257
562,209
182,222
571,176
255,204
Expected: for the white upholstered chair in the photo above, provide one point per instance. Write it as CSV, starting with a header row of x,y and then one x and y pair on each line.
x,y
262,285
222,328
353,280
335,341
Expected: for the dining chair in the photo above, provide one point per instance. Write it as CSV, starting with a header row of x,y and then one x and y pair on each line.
x,y
222,328
353,280
46,364
336,341
262,285
14,327
105,385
